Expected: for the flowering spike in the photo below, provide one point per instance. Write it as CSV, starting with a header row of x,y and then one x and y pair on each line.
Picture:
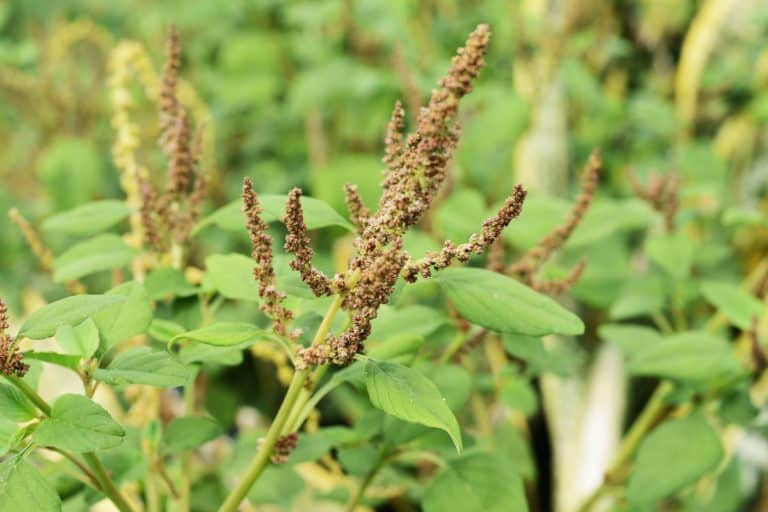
x,y
394,139
169,104
491,231
359,213
297,242
532,260
264,272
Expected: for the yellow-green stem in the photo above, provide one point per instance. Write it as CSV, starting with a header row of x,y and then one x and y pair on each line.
x,y
261,460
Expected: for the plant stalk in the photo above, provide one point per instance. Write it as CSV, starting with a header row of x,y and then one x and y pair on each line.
x,y
285,411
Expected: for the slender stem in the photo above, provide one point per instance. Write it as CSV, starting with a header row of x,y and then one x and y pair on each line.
x,y
184,481
30,393
74,460
261,460
360,492
654,410
107,485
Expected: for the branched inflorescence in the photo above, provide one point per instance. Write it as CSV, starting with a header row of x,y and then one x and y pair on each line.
x,y
415,171
662,193
529,264
167,217
10,358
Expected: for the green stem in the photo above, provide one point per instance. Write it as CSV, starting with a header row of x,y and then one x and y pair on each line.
x,y
107,485
286,410
30,393
97,468
184,483
654,410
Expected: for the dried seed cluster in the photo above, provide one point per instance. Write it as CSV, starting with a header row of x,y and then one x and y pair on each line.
x,y
168,217
531,262
10,358
283,448
662,193
415,171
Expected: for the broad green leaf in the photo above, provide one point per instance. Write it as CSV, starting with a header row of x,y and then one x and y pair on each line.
x,y
22,487
209,354
317,214
672,252
103,252
80,425
734,302
126,319
606,217
82,340
639,296
674,455
394,347
189,432
88,219
692,356
500,303
69,311
142,365
481,482
224,334
14,405
558,360
410,396
164,282
415,320
232,276
631,339
9,435
164,330
312,446
65,360
518,394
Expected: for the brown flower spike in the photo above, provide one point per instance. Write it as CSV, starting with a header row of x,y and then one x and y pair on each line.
x,y
531,262
416,170
10,358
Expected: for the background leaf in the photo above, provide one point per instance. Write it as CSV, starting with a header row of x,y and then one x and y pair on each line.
x,y
70,311
79,425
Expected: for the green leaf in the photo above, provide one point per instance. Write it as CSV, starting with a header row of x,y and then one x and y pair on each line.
x,y
164,330
103,252
69,311
142,365
129,318
209,354
232,276
734,302
189,432
164,282
317,214
639,296
558,360
518,394
22,487
415,320
224,334
481,482
10,434
408,395
692,356
631,339
14,405
502,304
82,340
672,252
65,360
88,219
673,456
80,425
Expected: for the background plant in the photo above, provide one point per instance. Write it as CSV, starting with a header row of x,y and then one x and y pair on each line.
x,y
662,261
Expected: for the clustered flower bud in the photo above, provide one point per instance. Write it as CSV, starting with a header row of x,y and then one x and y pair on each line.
x,y
264,272
531,262
491,231
283,448
10,358
662,193
169,217
416,171
297,243
358,212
